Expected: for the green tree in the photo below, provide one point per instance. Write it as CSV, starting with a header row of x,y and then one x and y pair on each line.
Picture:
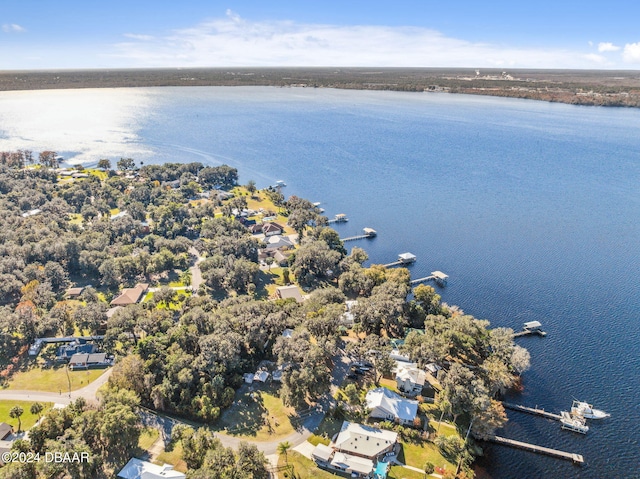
x,y
36,409
104,164
125,164
15,413
283,449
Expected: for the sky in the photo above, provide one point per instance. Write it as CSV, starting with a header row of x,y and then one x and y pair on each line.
x,y
73,34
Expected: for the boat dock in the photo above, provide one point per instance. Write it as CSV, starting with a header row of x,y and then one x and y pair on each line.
x,y
339,218
368,233
531,410
437,276
575,458
404,258
532,327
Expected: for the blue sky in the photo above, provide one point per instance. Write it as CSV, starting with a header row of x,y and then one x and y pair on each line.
x,y
41,34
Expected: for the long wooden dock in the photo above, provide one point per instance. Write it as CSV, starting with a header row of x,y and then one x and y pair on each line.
x,y
437,276
575,458
368,233
531,410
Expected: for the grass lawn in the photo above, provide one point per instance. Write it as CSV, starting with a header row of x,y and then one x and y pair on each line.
x,y
399,472
75,219
389,384
148,436
53,379
417,455
173,457
304,468
262,419
27,419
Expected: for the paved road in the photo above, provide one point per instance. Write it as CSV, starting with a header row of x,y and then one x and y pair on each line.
x,y
196,274
87,392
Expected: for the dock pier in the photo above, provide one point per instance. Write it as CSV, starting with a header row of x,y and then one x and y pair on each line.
x,y
531,410
437,276
339,218
404,258
575,458
368,233
532,327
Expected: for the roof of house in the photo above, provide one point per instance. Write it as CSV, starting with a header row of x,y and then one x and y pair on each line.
x,y
270,227
75,291
130,295
364,440
5,430
322,452
352,463
137,469
277,241
291,291
413,374
86,358
392,404
261,376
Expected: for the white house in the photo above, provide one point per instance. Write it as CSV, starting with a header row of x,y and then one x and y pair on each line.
x,y
356,449
385,404
410,379
137,469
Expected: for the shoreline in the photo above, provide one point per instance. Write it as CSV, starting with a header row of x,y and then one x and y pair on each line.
x,y
577,87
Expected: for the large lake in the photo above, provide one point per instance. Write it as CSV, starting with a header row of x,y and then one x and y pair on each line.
x,y
532,209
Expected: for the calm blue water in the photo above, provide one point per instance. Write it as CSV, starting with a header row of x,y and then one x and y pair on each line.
x,y
531,208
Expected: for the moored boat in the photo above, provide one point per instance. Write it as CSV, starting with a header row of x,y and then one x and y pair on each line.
x,y
573,423
586,410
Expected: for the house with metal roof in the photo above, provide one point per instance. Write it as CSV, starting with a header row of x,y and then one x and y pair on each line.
x,y
385,404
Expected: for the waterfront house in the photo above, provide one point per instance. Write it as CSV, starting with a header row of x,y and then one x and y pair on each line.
x,y
356,450
410,379
387,405
130,295
138,469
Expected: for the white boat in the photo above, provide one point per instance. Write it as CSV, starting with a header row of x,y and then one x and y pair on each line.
x,y
586,410
573,423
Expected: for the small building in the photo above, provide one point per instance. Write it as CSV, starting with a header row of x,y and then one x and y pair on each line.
x,y
281,258
5,430
385,404
261,376
138,469
398,356
121,214
287,333
291,291
130,295
410,380
369,232
74,292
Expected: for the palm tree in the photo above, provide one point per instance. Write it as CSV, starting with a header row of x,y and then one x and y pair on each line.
x,y
15,413
283,448
36,408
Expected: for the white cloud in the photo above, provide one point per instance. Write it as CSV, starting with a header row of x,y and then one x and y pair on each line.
x,y
595,58
137,36
631,53
234,41
607,47
13,28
